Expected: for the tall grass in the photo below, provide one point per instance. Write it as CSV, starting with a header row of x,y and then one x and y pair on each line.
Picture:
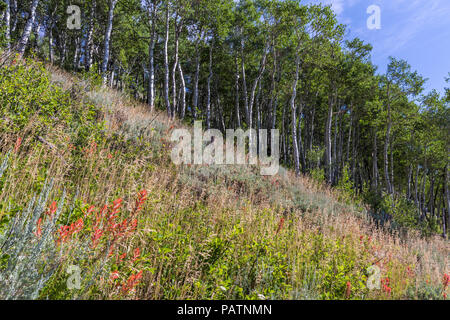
x,y
201,232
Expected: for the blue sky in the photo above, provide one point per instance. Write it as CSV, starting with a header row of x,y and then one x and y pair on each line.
x,y
415,30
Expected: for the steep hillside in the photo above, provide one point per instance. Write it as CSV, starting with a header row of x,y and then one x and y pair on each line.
x,y
87,185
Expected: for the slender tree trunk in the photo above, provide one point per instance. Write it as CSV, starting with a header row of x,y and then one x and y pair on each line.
x,y
208,87
300,139
50,43
62,49
8,25
251,103
175,65
22,44
112,5
111,79
76,53
408,193
183,93
293,116
422,197
375,161
284,133
431,201
13,14
236,95
166,66
328,158
196,77
391,149
151,71
386,147
311,133
89,41
36,32
416,188
445,217
334,152
273,94
340,148
244,87
350,135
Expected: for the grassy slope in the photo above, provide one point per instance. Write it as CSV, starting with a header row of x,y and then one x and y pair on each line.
x,y
203,232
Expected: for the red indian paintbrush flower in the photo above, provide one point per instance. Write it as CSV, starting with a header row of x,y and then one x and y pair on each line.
x,y
348,289
17,145
52,209
142,197
280,225
137,253
38,232
446,280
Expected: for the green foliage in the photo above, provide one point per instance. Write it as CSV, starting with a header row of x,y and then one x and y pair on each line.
x,y
425,291
26,92
318,174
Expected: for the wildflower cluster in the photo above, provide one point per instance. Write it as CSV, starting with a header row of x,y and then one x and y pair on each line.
x,y
385,284
445,282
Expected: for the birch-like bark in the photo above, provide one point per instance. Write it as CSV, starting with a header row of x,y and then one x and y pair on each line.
x,y
166,66
8,25
244,86
328,159
301,151
293,115
22,44
251,103
408,192
183,93
375,161
447,199
386,146
196,77
236,94
151,71
50,38
89,48
208,89
76,53
112,5
13,14
416,187
175,65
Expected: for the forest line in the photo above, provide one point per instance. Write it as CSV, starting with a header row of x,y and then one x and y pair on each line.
x,y
264,64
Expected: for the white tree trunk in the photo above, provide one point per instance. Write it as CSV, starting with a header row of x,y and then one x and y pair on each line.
x,y
112,5
8,25
151,72
328,158
236,96
89,42
22,44
175,67
183,93
13,9
293,116
196,78
166,66
208,95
